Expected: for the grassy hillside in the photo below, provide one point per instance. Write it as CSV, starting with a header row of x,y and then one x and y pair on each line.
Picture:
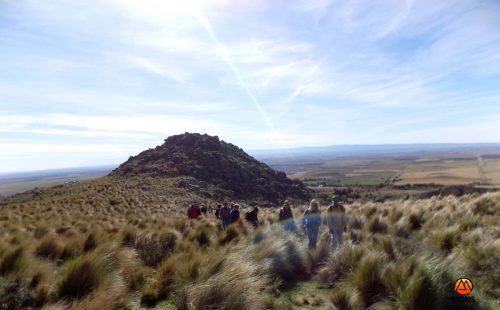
x,y
125,244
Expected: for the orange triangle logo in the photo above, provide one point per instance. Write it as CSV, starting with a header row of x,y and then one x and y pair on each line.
x,y
463,286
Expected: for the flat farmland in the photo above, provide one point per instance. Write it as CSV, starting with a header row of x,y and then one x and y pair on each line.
x,y
441,171
353,171
492,170
454,168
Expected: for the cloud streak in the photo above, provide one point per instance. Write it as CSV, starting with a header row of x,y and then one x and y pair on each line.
x,y
260,74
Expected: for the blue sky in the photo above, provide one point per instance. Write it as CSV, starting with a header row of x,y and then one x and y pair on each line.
x,y
93,82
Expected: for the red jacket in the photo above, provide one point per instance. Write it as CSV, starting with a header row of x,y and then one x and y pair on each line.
x,y
193,213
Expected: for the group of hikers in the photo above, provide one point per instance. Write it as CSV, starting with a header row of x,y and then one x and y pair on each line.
x,y
335,218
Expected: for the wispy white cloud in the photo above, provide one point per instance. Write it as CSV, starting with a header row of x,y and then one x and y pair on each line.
x,y
319,71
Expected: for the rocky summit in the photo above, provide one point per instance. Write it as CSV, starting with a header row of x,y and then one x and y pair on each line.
x,y
213,168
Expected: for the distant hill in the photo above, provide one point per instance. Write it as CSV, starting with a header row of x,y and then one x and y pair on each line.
x,y
213,168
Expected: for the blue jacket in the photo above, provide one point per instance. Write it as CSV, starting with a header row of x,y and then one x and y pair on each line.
x,y
311,220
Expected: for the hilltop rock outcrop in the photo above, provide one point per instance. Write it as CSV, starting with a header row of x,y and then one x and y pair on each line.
x,y
214,168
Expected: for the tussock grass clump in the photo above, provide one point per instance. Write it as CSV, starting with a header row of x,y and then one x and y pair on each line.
x,y
202,236
367,278
237,286
12,261
166,278
445,239
340,264
376,225
356,223
84,274
153,248
345,298
482,259
416,220
149,296
488,204
90,242
107,298
231,233
128,237
182,269
284,259
419,292
50,247
385,243
320,255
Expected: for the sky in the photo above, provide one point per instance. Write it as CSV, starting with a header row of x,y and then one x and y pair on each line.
x,y
93,82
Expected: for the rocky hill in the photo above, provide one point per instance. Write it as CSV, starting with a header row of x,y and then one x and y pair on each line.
x,y
214,169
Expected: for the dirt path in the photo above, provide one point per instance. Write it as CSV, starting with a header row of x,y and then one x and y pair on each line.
x,y
480,167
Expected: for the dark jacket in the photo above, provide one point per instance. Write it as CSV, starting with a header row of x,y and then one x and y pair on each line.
x,y
224,213
234,216
252,218
285,214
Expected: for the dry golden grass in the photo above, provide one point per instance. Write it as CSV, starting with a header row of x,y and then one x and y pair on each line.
x,y
447,172
116,245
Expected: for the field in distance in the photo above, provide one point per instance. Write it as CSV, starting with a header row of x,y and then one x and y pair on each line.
x,y
14,183
445,168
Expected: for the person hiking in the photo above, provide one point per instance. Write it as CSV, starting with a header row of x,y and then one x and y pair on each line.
x,y
224,215
252,217
312,222
193,212
286,216
235,214
217,211
204,210
336,222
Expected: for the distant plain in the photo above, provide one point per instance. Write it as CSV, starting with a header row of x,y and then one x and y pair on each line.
x,y
467,164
